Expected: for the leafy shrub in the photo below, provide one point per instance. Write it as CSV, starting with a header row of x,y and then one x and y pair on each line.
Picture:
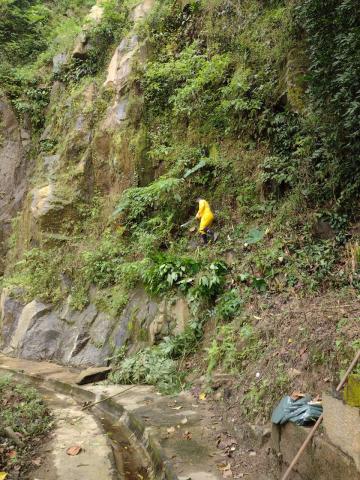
x,y
331,32
233,348
149,366
100,38
39,274
228,305
112,300
188,85
278,174
317,260
21,27
238,105
184,343
167,272
103,265
139,201
211,280
29,415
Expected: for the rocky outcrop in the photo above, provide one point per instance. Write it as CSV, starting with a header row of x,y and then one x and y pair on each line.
x,y
14,141
83,45
121,66
37,331
80,156
92,375
58,61
121,63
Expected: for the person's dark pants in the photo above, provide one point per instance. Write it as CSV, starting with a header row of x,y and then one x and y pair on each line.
x,y
209,235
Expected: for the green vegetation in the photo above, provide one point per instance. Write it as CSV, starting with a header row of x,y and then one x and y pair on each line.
x,y
252,105
25,413
150,366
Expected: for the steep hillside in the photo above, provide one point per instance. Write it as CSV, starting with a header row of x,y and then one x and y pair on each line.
x,y
115,117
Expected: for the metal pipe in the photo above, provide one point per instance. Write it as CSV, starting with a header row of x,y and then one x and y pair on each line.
x,y
319,420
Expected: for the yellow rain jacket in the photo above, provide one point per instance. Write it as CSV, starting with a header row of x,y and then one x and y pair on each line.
x,y
205,215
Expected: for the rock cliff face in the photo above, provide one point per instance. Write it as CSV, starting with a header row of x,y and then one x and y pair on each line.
x,y
38,331
77,167
14,170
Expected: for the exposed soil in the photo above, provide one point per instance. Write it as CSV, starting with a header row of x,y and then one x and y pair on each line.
x,y
306,342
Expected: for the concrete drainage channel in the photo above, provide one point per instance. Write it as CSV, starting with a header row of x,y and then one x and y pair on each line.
x,y
116,442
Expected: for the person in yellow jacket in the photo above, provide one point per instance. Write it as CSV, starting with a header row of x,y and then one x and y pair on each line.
x,y
206,217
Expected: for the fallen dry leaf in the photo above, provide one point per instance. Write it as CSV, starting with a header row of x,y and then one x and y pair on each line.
x,y
296,395
3,475
317,399
187,435
302,351
227,472
36,462
202,396
184,421
11,454
170,430
75,450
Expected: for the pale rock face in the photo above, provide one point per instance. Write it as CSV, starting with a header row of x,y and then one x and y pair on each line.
x,y
170,320
94,18
58,61
80,49
42,201
90,94
96,14
116,114
142,10
10,309
121,63
120,68
30,313
38,331
51,163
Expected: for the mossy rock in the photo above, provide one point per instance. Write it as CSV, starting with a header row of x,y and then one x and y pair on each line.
x,y
352,391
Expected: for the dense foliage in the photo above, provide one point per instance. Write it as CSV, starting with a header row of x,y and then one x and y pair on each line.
x,y
253,105
331,29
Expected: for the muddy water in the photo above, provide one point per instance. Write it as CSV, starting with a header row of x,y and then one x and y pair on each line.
x,y
128,460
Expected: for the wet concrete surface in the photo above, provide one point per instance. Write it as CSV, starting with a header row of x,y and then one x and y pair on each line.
x,y
106,451
128,459
74,427
181,426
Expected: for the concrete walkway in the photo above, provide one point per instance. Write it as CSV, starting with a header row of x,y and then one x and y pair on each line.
x,y
177,431
181,425
74,427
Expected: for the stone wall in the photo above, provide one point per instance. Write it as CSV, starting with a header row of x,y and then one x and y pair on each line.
x,y
334,452
88,338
